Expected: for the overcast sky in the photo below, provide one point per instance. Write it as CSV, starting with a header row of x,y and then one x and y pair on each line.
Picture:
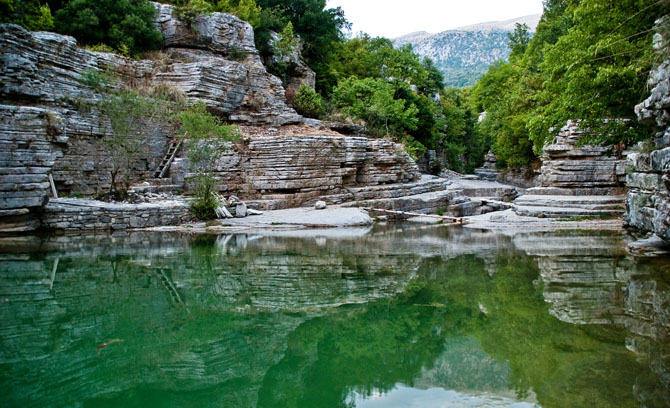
x,y
393,18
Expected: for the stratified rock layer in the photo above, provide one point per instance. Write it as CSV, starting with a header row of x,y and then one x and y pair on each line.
x,y
289,171
569,169
648,203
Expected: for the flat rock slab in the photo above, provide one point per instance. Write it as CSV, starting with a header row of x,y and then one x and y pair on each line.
x,y
72,204
509,223
306,217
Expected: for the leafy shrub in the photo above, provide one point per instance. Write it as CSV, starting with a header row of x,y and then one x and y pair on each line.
x,y
100,48
97,79
189,11
204,202
206,136
236,54
308,103
118,23
247,10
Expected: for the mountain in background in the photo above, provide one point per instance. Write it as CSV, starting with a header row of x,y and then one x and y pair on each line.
x,y
464,54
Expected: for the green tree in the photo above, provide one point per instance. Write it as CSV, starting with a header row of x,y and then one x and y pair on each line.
x,y
588,61
286,42
122,24
318,27
519,40
31,14
372,100
598,70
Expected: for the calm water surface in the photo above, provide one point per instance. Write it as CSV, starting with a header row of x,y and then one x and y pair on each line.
x,y
390,316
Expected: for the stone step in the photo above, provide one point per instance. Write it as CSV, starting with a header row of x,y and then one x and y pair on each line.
x,y
560,191
564,212
613,203
447,202
562,206
167,188
159,181
427,184
487,174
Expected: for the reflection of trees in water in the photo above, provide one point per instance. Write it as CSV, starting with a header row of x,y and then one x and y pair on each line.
x,y
376,347
489,311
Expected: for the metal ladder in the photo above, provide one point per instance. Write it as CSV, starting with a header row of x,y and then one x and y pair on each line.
x,y
167,160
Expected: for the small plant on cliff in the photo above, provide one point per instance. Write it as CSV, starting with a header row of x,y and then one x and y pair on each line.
x,y
286,42
206,138
247,10
308,103
99,80
128,113
188,11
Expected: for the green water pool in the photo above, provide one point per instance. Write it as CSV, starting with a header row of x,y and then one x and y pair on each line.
x,y
388,316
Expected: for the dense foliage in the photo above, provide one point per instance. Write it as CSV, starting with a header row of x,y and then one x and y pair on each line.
x,y
32,14
125,25
400,96
588,61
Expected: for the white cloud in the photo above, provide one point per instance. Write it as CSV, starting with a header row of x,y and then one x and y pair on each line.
x,y
393,18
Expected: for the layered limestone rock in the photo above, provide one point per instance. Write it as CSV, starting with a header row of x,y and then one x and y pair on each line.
x,y
570,169
30,142
52,122
71,214
214,59
488,170
291,170
576,181
648,203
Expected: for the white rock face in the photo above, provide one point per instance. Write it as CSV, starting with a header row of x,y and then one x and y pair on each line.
x,y
320,205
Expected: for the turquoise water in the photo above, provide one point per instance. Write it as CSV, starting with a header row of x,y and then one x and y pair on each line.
x,y
390,316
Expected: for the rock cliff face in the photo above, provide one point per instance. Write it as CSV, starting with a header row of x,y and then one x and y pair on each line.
x,y
215,60
648,203
575,180
51,124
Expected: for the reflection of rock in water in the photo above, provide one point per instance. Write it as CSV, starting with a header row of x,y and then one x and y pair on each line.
x,y
50,337
586,283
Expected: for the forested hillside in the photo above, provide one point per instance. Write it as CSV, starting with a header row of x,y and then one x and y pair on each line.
x,y
463,55
588,61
